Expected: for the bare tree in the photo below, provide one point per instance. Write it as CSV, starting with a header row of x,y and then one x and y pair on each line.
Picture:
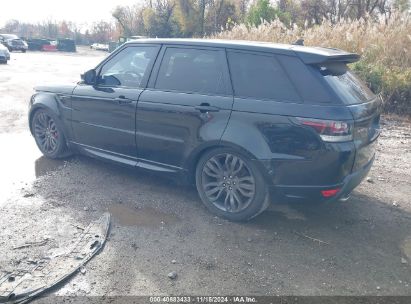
x,y
130,19
219,13
102,31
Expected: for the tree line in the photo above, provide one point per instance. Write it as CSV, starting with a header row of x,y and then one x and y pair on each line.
x,y
188,18
198,18
102,31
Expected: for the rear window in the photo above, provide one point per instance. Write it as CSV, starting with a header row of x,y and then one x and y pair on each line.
x,y
261,77
346,84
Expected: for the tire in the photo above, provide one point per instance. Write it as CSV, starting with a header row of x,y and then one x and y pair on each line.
x,y
230,185
23,51
48,134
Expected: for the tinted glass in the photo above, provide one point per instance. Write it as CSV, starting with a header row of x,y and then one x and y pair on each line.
x,y
346,84
191,70
260,77
128,67
309,85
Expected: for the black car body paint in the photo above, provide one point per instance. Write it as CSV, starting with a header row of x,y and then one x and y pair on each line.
x,y
153,126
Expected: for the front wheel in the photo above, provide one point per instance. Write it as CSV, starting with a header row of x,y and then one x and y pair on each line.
x,y
231,185
48,134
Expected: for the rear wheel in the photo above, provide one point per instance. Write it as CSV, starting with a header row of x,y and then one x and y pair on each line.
x,y
231,185
48,134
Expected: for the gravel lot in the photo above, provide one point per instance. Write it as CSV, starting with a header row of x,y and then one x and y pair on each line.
x,y
359,247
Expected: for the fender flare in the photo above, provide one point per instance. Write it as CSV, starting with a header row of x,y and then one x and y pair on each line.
x,y
195,155
46,101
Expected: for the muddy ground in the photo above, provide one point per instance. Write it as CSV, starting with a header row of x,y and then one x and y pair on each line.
x,y
359,247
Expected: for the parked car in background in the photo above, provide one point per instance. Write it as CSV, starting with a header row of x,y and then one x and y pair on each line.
x,y
4,54
99,47
36,44
240,120
13,43
113,45
66,45
51,47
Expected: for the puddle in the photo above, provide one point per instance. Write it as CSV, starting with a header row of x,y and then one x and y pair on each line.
x,y
21,162
147,217
44,165
287,211
406,247
279,214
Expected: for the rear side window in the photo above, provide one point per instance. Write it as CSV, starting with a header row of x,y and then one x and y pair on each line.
x,y
191,71
346,84
260,77
309,84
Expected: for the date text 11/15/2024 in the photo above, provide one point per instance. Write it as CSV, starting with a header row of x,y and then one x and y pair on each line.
x,y
203,299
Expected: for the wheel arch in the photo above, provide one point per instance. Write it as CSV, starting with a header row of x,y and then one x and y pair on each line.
x,y
48,102
195,156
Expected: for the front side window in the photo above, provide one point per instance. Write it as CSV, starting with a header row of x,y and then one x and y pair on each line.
x,y
191,70
260,77
127,68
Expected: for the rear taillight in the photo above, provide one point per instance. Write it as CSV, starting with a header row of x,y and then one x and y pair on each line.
x,y
330,192
329,130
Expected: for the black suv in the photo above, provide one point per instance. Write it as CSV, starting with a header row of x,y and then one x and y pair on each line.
x,y
241,120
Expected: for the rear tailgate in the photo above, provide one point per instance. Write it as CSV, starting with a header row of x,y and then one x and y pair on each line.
x,y
366,130
363,104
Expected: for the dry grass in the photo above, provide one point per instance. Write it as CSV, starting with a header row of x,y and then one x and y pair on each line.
x,y
385,46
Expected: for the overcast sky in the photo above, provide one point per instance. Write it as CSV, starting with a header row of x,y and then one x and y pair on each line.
x,y
79,11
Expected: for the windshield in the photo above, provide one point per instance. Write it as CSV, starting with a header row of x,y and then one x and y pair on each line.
x,y
346,84
17,42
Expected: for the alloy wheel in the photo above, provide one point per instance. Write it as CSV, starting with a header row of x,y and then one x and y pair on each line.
x,y
228,182
46,132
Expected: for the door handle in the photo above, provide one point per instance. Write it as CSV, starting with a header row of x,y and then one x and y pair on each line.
x,y
123,100
205,107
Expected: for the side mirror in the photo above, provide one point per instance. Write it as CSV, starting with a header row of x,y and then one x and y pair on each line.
x,y
89,77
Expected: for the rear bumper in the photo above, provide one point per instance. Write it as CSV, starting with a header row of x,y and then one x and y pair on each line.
x,y
349,183
4,57
354,179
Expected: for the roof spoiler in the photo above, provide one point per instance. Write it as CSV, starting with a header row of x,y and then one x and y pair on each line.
x,y
349,58
329,56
